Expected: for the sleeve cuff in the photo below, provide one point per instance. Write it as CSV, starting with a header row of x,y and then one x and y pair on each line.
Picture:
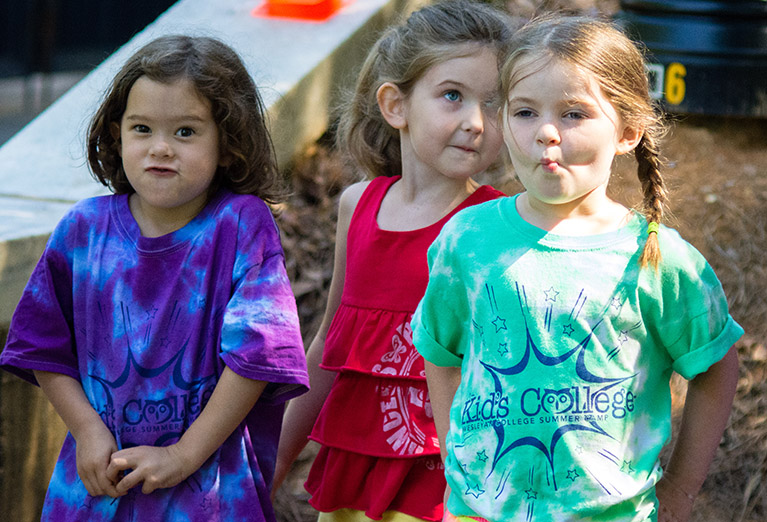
x,y
699,361
432,351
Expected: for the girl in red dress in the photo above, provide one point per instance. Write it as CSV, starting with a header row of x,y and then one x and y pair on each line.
x,y
422,122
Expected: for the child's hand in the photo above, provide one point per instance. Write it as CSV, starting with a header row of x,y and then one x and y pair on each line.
x,y
94,447
156,467
675,504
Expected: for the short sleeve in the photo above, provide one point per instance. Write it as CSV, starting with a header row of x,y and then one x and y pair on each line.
x,y
440,322
41,334
692,319
260,336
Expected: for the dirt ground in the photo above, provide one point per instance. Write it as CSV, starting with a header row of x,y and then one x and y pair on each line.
x,y
716,169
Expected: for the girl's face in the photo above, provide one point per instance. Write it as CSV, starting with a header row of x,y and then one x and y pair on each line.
x,y
449,119
562,134
169,148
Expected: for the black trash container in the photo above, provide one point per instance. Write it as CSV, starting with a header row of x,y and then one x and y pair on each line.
x,y
705,56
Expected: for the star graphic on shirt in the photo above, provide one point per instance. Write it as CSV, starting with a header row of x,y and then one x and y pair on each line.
x,y
572,474
475,491
626,467
481,455
206,504
568,330
151,312
499,323
532,358
503,348
531,494
615,303
551,294
623,337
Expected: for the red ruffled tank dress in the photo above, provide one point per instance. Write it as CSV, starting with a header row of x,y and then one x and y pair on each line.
x,y
380,449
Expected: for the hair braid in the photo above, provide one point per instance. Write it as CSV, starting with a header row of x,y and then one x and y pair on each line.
x,y
655,195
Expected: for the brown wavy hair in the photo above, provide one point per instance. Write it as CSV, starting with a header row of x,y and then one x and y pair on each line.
x,y
402,55
218,74
618,65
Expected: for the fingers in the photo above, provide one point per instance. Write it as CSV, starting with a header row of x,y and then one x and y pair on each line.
x,y
153,467
122,461
98,484
93,450
95,477
117,464
132,479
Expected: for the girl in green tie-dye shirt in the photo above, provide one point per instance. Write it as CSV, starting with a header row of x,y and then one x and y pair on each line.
x,y
551,324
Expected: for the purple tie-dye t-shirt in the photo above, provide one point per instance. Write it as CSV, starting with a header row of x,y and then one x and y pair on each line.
x,y
146,325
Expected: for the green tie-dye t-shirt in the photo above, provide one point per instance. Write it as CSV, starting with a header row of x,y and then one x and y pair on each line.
x,y
566,348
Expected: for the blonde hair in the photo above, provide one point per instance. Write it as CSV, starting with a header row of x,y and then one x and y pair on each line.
x,y
402,55
618,66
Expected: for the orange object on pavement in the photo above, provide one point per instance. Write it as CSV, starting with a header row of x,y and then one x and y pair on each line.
x,y
303,9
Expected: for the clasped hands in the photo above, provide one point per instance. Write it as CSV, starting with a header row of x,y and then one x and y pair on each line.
x,y
105,470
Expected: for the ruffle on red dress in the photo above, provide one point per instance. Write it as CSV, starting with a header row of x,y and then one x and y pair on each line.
x,y
374,341
412,486
378,417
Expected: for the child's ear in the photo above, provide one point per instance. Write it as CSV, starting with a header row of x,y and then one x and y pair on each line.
x,y
114,130
629,139
391,102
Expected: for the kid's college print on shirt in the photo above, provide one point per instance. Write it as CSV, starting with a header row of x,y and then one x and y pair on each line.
x,y
566,348
146,325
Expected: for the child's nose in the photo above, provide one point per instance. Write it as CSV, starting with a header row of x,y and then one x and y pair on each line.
x,y
548,134
160,147
474,119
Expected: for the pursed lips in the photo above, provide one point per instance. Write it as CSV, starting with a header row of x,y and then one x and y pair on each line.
x,y
465,148
549,164
160,171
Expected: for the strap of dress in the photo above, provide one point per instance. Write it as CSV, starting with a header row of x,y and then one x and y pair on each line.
x,y
366,211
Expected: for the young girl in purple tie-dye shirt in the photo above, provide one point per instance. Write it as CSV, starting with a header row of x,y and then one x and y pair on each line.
x,y
160,321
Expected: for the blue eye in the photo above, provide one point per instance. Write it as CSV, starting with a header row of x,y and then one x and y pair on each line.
x,y
523,113
575,115
453,96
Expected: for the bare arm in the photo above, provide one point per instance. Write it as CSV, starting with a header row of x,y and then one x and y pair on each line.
x,y
94,443
164,467
443,382
706,412
302,411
